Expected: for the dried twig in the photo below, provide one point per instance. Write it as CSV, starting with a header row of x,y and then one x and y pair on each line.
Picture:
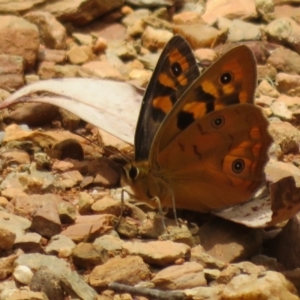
x,y
146,292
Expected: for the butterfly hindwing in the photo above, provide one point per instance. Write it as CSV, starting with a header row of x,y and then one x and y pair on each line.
x,y
174,73
222,158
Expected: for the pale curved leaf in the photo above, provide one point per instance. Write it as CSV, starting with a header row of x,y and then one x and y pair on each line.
x,y
110,105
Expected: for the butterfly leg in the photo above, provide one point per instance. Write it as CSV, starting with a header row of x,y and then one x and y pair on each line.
x,y
160,211
174,208
122,207
155,199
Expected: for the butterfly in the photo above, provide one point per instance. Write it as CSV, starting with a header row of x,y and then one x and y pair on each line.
x,y
200,143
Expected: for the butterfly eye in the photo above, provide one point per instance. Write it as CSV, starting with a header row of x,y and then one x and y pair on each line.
x,y
218,122
238,166
226,78
176,69
133,173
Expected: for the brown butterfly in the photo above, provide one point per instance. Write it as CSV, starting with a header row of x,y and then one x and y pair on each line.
x,y
200,143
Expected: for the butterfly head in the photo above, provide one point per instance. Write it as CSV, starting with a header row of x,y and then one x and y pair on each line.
x,y
141,183
131,173
134,175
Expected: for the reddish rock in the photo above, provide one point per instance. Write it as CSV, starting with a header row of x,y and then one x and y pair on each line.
x,y
113,31
154,39
185,276
46,221
206,54
233,9
285,60
25,294
294,277
79,55
284,31
110,243
30,242
48,70
7,239
27,205
51,55
3,201
281,11
267,89
80,12
128,270
286,136
70,179
62,166
210,37
266,72
207,261
160,253
228,241
187,17
19,6
269,285
288,84
53,34
87,255
12,70
228,273
107,205
243,31
12,193
103,69
111,140
108,174
19,37
15,156
7,266
284,247
89,227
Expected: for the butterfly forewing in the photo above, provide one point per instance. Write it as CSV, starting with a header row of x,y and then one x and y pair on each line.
x,y
174,73
230,80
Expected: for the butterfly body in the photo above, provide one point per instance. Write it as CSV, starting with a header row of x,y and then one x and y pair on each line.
x,y
201,144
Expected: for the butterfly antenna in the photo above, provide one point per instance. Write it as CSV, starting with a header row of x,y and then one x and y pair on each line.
x,y
117,151
106,148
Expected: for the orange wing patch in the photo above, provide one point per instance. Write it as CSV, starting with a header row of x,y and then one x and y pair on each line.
x,y
166,80
163,103
197,109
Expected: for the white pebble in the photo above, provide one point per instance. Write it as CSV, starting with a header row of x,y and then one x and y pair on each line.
x,y
23,274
